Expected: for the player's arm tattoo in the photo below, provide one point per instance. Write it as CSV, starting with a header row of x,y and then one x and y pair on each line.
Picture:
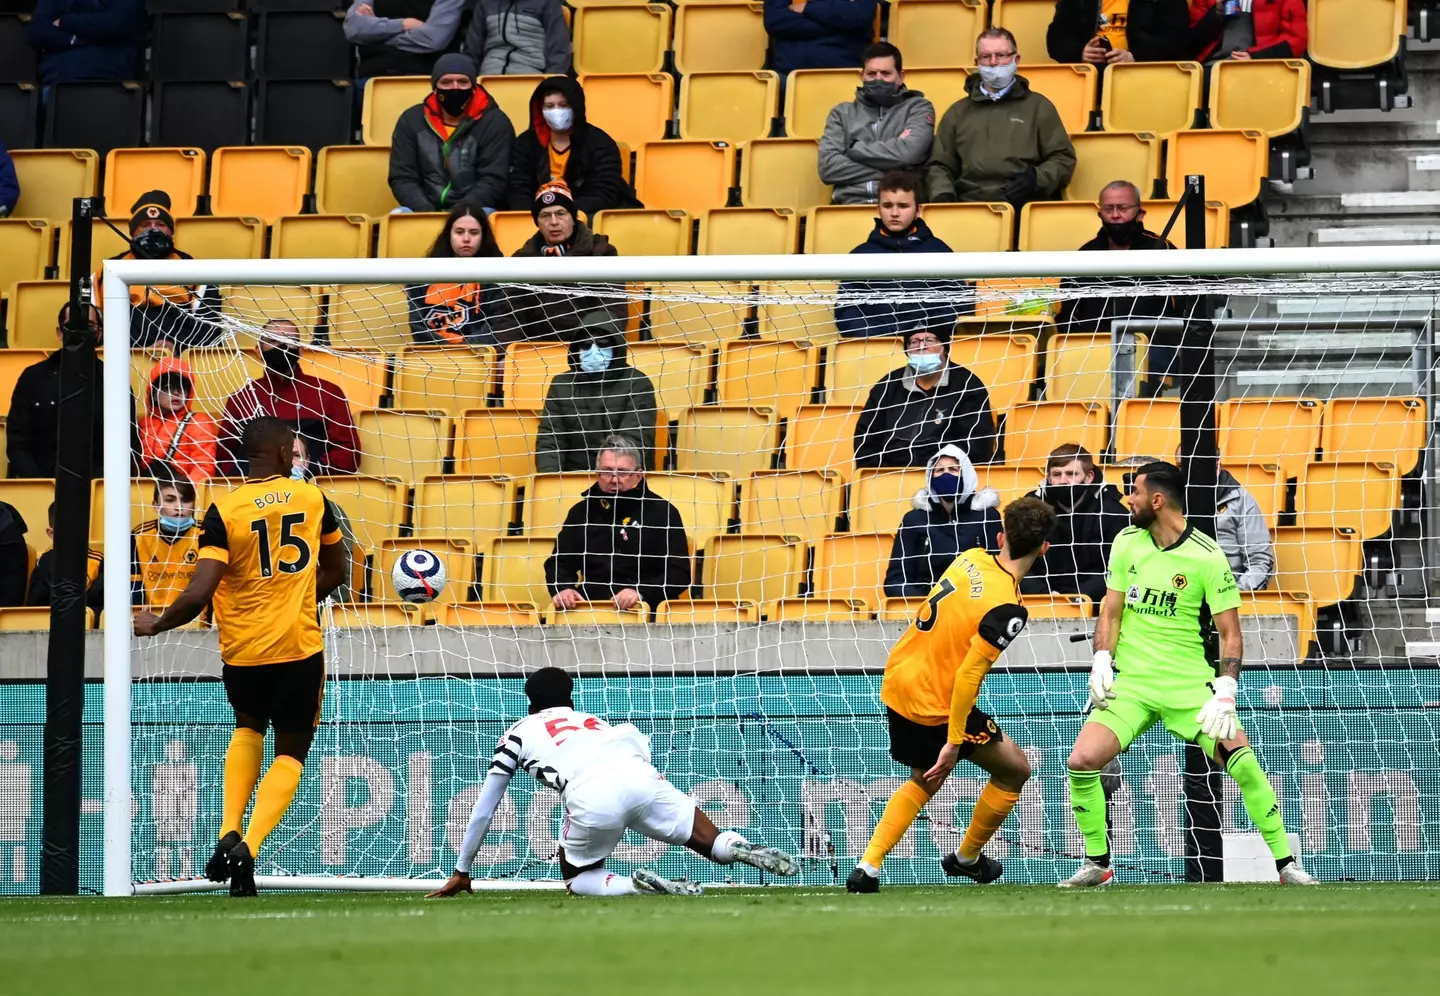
x,y
1230,667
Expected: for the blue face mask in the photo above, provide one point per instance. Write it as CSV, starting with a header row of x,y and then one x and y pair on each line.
x,y
298,474
595,359
946,485
174,525
924,363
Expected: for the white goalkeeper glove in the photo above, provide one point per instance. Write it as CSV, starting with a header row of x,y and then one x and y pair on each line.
x,y
1102,676
1217,717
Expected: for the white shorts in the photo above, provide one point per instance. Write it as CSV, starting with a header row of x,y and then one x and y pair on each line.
x,y
629,797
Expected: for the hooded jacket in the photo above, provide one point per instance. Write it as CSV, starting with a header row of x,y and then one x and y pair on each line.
x,y
429,172
903,425
592,170
930,537
387,49
181,314
982,143
1088,517
634,539
510,37
529,313
862,142
317,406
87,39
1155,30
14,556
183,439
1242,533
827,34
878,314
1282,29
582,408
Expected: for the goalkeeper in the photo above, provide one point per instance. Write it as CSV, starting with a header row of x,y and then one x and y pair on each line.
x,y
1165,583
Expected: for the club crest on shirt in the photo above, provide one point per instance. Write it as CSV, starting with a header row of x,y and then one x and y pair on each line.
x,y
1178,582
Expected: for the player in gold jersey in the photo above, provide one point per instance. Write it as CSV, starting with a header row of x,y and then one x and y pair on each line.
x,y
931,682
269,550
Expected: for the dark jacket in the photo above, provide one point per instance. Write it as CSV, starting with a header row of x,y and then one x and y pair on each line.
x,y
1155,30
95,39
902,425
635,539
582,408
454,314
9,184
185,315
593,171
387,49
828,34
41,586
893,317
32,427
1088,517
14,557
1093,314
429,173
528,313
930,538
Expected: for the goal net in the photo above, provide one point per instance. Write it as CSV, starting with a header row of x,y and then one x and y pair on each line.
x,y
779,410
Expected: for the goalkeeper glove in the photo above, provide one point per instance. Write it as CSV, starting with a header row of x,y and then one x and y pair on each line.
x,y
1102,676
1217,717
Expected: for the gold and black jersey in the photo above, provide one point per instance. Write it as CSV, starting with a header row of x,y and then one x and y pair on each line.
x,y
161,566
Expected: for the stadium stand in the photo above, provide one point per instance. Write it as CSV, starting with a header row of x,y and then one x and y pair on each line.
x,y
1159,97
621,38
931,32
719,37
728,107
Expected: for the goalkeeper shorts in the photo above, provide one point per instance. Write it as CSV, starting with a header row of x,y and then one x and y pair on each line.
x,y
1139,704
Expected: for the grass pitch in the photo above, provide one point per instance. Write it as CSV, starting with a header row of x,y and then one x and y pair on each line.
x,y
1158,940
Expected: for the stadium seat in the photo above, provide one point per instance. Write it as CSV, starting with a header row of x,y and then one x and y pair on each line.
x,y
713,37
1386,429
549,498
312,113
474,508
770,374
1071,88
385,99
1266,485
838,228
730,438
512,229
452,378
705,612
4,460
1283,431
264,181
705,502
256,303
1282,603
899,610
34,304
782,173
802,503
1054,606
1102,157
302,45
217,373
362,375
24,250
51,179
457,555
94,115
1358,496
822,436
809,96
529,368
1264,95
727,107
1232,162
1078,365
931,33
1147,427
1355,34
753,568
818,610
641,232
31,497
132,172
367,615
321,236
354,179
20,115
213,237
689,176
1028,21
375,507
1060,226
488,614
1322,562
514,570
202,46
24,619
369,316
1033,430
1158,97
798,310
971,227
408,445
1004,362
596,614
409,235
14,360
942,87
512,95
1010,480
621,38
749,231
679,373
203,116
105,242
856,364
496,441
633,108
852,566
17,57
879,498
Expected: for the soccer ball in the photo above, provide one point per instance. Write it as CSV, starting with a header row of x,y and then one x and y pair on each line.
x,y
419,576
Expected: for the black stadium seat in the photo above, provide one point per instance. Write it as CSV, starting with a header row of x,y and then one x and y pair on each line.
x,y
17,58
304,45
200,47
192,6
200,115
260,6
312,113
99,116
19,115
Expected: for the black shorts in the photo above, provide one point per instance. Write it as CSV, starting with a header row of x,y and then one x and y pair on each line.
x,y
286,696
917,746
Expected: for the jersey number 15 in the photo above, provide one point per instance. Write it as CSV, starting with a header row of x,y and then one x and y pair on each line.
x,y
261,528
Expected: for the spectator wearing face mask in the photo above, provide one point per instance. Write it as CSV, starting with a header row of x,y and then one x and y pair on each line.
x,y
1106,32
952,514
519,37
173,433
401,37
926,404
1248,29
450,314
1089,514
292,395
562,146
165,549
886,127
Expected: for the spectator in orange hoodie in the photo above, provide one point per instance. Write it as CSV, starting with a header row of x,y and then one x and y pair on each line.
x,y
174,432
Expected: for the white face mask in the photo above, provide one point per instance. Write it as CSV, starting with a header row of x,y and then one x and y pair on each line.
x,y
595,359
559,118
997,78
924,363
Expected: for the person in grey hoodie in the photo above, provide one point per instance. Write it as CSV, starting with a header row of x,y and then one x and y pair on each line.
x,y
952,514
886,127
516,37
1242,533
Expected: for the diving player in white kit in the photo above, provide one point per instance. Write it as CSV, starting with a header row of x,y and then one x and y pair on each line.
x,y
608,785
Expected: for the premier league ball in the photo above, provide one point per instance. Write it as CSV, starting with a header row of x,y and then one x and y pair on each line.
x,y
419,576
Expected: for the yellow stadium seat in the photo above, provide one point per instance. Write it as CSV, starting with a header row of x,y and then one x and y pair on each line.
x,y
408,445
215,237
473,508
1159,97
646,232
1004,362
132,172
689,176
34,306
409,236
363,615
942,87
452,378
1104,156
14,360
318,236
142,507
514,570
971,227
678,372
488,614
1232,162
361,375
369,316
707,611
1058,606
810,95
705,503
1071,88
218,373
1386,429
529,368
1266,485
770,374
1147,427
512,95
699,314
852,566
753,231
255,304
1322,562
818,610
802,503
24,250
4,460
1355,34
1033,430
496,441
719,37
1065,225
1358,496
1010,480
899,609
1283,431
1028,21
1283,603
354,179
457,555
51,179
596,614
621,38
264,181
512,229
1264,95
727,107
31,497
782,173
729,438
24,619
838,228
105,242
549,498
386,98
633,108
934,32
855,365
799,310
376,507
1078,365
822,436
758,569
880,498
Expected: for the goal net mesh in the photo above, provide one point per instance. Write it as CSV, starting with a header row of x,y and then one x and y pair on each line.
x,y
471,432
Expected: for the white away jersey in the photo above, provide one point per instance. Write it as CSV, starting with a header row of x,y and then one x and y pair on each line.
x,y
557,746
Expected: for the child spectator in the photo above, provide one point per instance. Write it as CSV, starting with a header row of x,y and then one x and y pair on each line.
x,y
173,432
42,578
164,550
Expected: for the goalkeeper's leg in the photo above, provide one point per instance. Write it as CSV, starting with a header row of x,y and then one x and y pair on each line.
x,y
1261,804
1096,746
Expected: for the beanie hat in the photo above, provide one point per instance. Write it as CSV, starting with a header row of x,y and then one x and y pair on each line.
x,y
152,206
550,194
941,332
453,62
